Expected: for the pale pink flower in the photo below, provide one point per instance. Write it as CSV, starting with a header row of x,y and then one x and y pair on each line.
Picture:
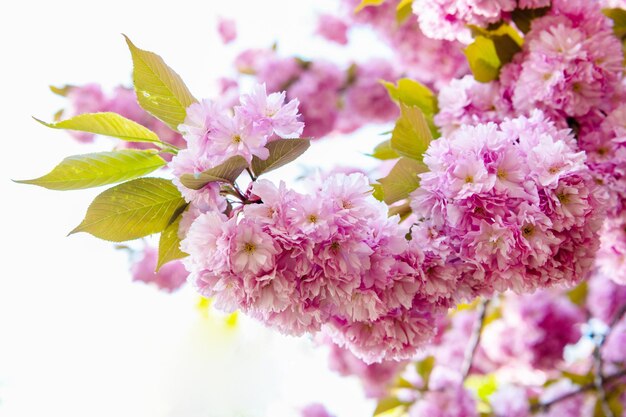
x,y
227,29
332,29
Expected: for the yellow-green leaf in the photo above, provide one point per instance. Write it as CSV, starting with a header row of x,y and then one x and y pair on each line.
x,y
619,21
107,124
425,367
482,385
411,135
578,294
61,91
169,244
96,169
413,93
367,3
282,152
483,59
404,10
390,407
402,180
132,210
226,172
384,151
160,90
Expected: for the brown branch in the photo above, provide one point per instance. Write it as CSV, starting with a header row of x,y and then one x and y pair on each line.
x,y
474,340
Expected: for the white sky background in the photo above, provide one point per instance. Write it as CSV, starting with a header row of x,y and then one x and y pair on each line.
x,y
77,337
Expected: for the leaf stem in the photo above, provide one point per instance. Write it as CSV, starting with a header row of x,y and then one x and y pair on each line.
x,y
252,177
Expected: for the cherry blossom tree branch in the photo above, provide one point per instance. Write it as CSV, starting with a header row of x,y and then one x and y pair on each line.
x,y
587,387
474,340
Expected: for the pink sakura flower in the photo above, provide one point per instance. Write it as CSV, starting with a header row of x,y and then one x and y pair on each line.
x,y
269,111
238,135
169,277
332,29
375,377
510,401
605,296
227,29
466,101
252,250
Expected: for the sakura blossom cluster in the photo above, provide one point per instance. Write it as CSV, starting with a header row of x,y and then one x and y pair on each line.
x,y
509,206
214,133
299,262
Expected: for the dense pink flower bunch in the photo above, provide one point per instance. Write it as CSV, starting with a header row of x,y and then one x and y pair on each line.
x,y
300,261
510,206
90,98
571,62
215,133
332,99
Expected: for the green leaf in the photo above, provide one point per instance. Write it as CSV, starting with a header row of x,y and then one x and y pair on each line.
x,y
107,124
96,169
424,368
390,406
132,210
491,49
384,151
402,180
483,59
160,90
403,210
61,91
482,385
619,21
578,294
367,3
282,152
579,379
524,17
378,192
404,10
226,172
169,244
411,135
413,93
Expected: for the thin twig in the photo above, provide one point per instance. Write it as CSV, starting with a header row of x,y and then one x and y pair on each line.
x,y
598,364
474,340
587,387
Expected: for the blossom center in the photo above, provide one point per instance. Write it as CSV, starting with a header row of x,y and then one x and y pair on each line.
x,y
249,247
